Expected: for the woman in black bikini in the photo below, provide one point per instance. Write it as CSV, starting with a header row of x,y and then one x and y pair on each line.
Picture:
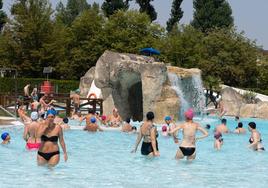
x,y
50,133
255,138
149,134
189,129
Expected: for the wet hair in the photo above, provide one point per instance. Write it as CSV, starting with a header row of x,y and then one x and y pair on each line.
x,y
134,128
65,120
150,116
240,125
252,125
237,117
128,120
223,121
207,126
97,113
42,116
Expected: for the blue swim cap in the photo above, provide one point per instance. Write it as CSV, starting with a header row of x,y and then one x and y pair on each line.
x,y
167,118
93,120
52,111
4,135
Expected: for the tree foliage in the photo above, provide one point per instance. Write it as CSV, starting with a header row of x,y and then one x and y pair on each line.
x,y
27,35
73,8
211,14
34,38
176,14
148,8
109,7
3,16
130,31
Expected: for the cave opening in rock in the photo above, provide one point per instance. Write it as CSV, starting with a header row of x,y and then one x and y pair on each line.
x,y
135,101
128,96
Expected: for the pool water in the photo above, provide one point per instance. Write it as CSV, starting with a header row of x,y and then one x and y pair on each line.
x,y
104,160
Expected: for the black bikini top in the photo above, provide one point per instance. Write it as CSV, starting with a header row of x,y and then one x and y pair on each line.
x,y
44,138
251,140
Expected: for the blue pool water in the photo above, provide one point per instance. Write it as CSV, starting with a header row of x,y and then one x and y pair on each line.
x,y
104,160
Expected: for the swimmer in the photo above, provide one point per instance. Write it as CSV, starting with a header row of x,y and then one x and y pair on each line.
x,y
6,138
208,126
50,133
222,128
239,129
92,126
115,119
103,120
218,142
255,138
170,126
164,130
64,125
127,127
149,134
189,129
30,133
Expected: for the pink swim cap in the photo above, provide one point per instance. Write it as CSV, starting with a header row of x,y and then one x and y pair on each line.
x,y
164,128
189,114
103,117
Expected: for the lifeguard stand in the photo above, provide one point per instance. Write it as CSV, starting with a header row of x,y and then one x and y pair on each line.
x,y
47,87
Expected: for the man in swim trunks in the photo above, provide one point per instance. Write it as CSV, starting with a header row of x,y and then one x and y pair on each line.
x,y
76,100
189,130
222,128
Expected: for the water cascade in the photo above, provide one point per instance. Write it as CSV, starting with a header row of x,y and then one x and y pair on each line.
x,y
176,84
190,92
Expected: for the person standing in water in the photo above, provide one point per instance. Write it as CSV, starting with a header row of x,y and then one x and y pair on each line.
x,y
50,133
218,142
148,133
255,138
30,133
189,129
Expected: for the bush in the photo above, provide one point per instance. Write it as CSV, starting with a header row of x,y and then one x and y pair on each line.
x,y
250,97
61,86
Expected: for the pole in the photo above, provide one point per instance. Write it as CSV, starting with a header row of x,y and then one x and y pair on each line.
x,y
16,93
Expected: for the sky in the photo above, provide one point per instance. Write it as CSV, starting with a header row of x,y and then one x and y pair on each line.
x,y
249,15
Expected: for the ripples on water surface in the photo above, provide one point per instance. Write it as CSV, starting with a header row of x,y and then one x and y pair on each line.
x,y
104,160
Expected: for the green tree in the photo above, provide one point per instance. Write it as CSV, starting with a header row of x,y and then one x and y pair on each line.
x,y
211,14
231,57
183,47
3,16
109,7
145,6
26,35
176,14
86,45
130,31
73,8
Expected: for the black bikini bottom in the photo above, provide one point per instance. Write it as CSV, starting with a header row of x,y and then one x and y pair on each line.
x,y
147,148
47,156
187,151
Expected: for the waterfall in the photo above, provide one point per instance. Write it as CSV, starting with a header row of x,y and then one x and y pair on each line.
x,y
176,84
199,100
190,91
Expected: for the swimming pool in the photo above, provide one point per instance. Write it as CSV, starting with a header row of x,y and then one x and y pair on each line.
x,y
104,160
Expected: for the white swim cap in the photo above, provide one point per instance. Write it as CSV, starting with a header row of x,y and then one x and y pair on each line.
x,y
34,116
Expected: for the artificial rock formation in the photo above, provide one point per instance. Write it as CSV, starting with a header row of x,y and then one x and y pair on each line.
x,y
135,84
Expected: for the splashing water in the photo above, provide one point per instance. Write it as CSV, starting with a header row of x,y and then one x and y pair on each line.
x,y
176,84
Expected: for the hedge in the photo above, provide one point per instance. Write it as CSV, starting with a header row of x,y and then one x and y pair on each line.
x,y
7,85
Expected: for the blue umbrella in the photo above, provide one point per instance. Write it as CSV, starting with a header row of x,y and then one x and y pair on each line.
x,y
150,51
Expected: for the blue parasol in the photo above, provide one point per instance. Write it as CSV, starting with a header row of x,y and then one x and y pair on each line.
x,y
150,51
